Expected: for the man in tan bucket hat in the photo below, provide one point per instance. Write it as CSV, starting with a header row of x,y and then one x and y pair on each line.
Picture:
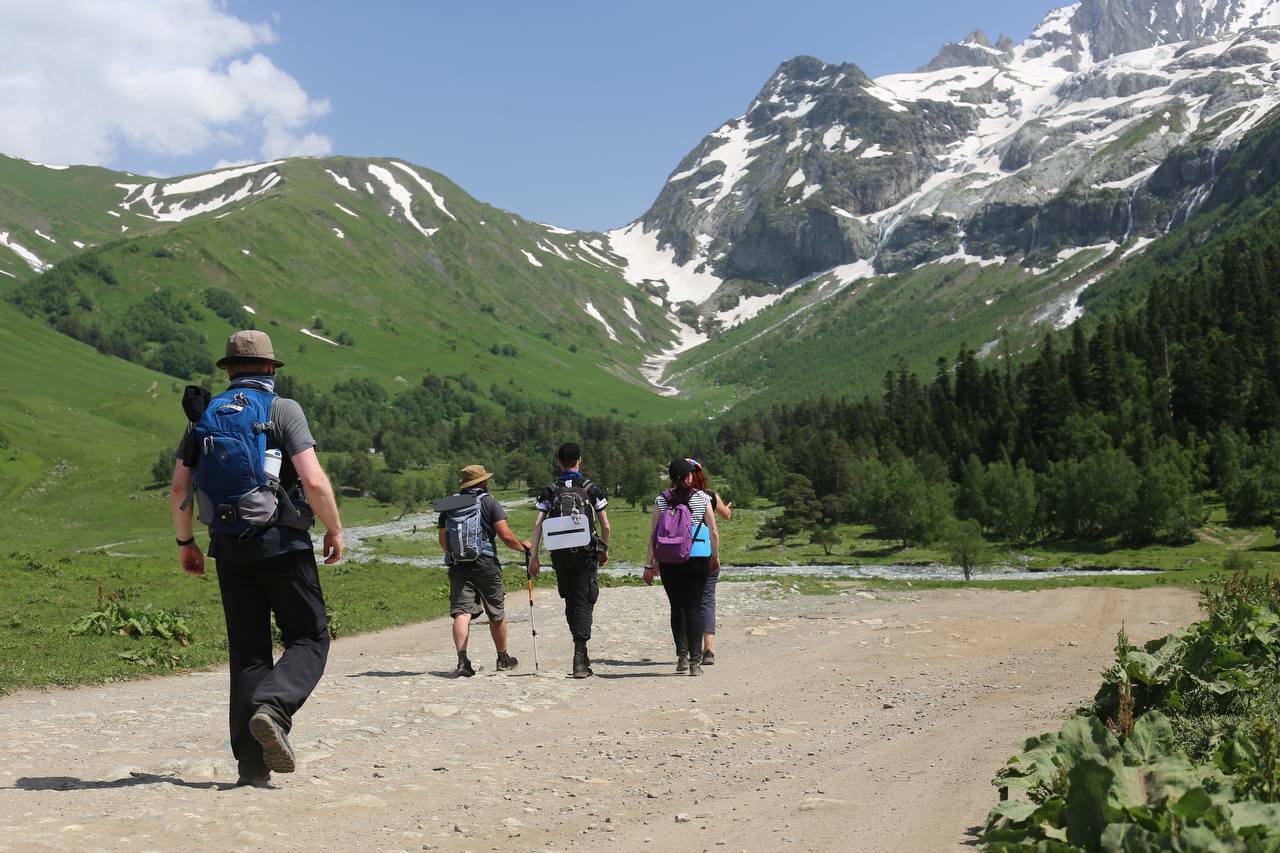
x,y
261,546
470,524
249,347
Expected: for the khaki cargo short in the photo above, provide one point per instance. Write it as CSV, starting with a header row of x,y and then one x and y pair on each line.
x,y
476,588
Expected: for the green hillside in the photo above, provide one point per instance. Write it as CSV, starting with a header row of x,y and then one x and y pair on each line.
x,y
78,434
324,252
831,338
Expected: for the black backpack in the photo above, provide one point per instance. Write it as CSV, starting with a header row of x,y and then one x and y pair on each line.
x,y
572,496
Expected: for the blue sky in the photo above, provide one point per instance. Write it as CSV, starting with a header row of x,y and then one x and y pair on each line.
x,y
572,113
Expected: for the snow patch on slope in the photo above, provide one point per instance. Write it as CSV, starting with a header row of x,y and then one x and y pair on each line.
x,y
531,258
339,180
647,261
426,185
747,307
588,248
29,257
312,334
209,180
596,315
401,195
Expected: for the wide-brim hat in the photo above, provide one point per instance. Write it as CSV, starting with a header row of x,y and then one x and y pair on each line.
x,y
249,345
473,475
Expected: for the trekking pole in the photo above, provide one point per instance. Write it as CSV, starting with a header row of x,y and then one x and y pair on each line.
x,y
532,625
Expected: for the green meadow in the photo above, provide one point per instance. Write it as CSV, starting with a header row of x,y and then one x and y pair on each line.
x,y
85,526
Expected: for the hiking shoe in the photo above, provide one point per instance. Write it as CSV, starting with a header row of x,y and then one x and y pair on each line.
x,y
682,662
253,776
581,663
708,658
695,669
276,752
464,668
506,662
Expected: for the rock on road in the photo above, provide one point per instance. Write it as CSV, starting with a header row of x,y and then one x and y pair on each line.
x,y
828,723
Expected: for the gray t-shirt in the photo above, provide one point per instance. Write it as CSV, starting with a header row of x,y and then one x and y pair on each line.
x,y
290,434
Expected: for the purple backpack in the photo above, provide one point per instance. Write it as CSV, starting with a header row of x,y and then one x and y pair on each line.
x,y
673,537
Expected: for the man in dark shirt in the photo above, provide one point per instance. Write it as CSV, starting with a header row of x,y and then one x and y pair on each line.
x,y
576,568
270,570
475,586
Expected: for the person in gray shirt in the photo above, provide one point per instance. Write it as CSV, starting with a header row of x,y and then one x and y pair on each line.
x,y
475,585
268,571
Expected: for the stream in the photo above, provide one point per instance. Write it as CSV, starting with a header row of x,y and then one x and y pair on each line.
x,y
359,551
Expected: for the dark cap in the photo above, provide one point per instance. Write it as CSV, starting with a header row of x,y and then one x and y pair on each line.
x,y
680,468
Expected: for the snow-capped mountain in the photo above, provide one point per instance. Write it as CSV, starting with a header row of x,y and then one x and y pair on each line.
x,y
1109,124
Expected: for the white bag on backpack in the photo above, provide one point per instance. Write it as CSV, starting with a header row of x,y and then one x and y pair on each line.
x,y
566,531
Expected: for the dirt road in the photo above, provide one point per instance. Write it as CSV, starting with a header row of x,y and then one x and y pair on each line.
x,y
828,723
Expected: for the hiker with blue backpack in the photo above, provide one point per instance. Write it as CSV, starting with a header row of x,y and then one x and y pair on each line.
x,y
470,523
248,462
685,558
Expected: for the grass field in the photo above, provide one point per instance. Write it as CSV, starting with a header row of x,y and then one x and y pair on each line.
x,y
50,584
80,432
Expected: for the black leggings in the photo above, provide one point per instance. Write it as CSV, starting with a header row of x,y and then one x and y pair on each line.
x,y
685,584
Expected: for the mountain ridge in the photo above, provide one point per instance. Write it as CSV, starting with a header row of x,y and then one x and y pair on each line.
x,y
413,269
986,156
1022,155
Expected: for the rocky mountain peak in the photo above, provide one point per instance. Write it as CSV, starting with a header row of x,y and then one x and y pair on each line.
x,y
1113,27
1108,126
973,49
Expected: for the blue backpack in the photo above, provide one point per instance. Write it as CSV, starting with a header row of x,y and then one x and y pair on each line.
x,y
234,494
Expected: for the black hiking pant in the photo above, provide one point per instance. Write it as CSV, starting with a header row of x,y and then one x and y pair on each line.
x,y
287,585
686,584
578,586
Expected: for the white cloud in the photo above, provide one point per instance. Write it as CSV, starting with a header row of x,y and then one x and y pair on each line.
x,y
80,77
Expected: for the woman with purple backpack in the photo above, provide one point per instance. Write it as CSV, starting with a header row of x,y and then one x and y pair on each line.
x,y
681,514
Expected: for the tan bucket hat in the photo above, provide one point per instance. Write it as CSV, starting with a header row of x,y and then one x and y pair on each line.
x,y
249,344
473,475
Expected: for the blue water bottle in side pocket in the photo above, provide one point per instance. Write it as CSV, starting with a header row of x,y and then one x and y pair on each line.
x,y
701,541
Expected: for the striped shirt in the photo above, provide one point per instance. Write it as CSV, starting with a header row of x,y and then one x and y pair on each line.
x,y
698,503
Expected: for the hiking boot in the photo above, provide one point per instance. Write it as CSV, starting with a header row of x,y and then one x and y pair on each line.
x,y
682,662
253,776
277,755
708,658
506,662
581,662
464,668
695,669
